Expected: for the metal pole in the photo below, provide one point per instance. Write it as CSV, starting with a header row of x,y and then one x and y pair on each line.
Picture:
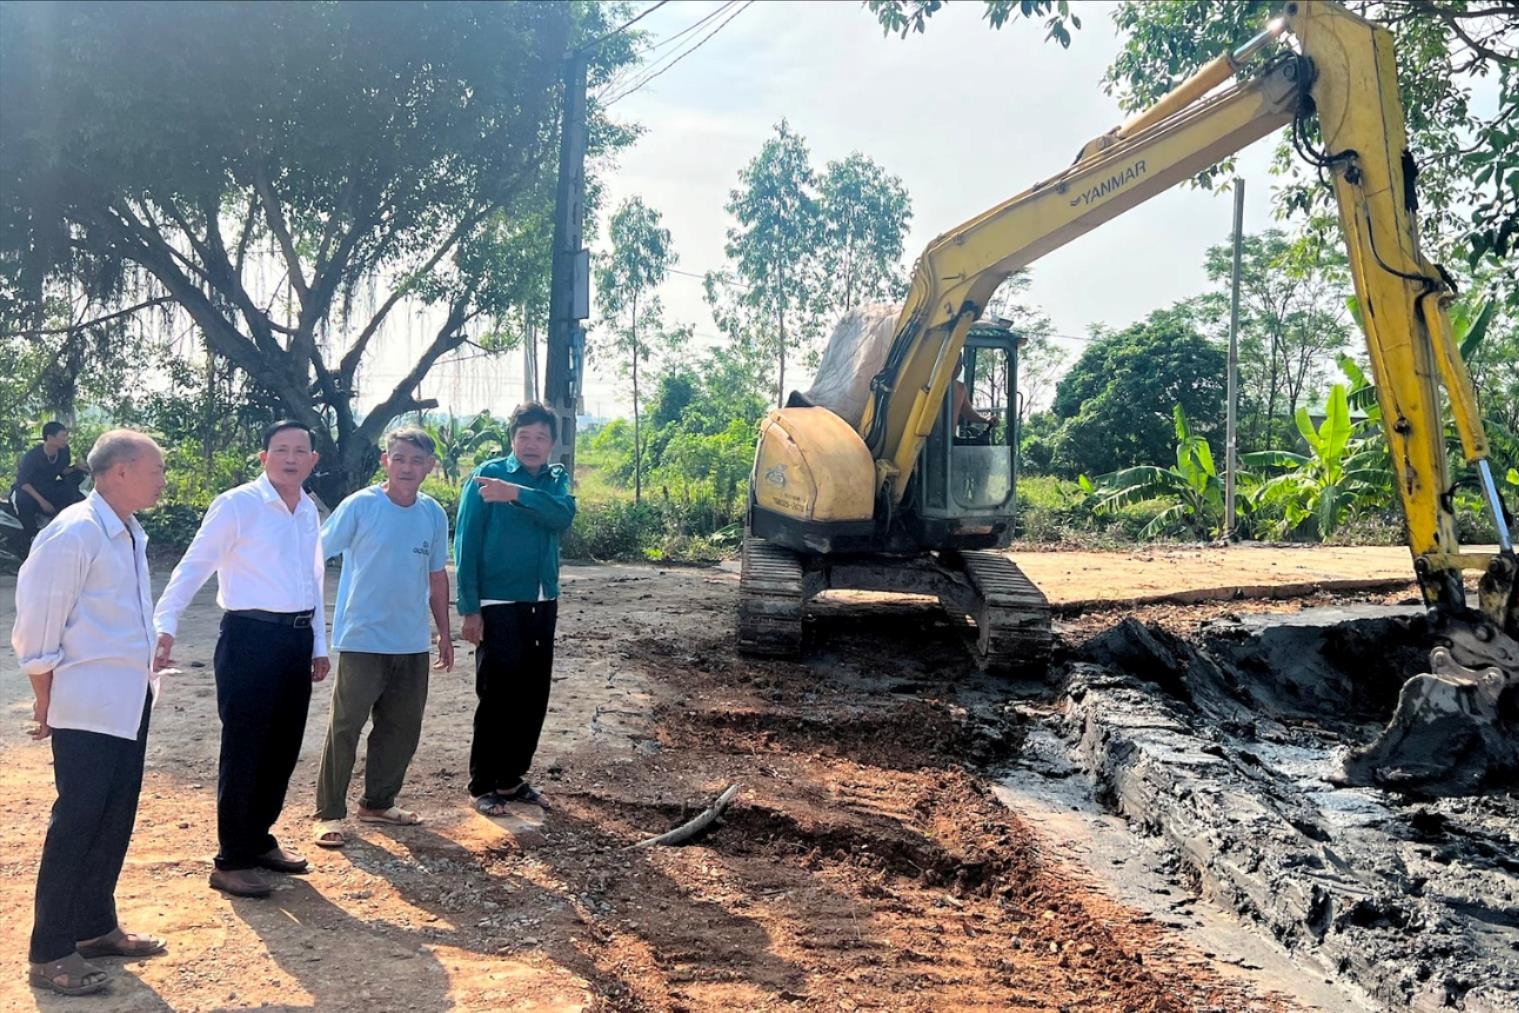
x,y
1231,426
569,285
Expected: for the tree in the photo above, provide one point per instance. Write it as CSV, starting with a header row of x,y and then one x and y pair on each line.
x,y
1117,401
1040,361
774,251
1293,320
1468,158
163,150
638,263
865,214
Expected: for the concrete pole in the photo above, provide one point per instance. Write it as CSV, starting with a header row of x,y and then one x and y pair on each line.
x,y
1231,426
569,285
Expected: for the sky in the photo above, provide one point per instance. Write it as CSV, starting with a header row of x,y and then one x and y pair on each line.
x,y
965,115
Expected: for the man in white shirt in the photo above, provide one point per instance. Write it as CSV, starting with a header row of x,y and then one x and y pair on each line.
x,y
262,542
84,636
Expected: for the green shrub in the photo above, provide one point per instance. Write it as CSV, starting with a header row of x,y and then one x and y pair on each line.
x,y
170,527
611,529
446,494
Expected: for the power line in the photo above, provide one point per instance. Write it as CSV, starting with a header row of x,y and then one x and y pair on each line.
x,y
644,80
721,279
624,26
693,26
622,77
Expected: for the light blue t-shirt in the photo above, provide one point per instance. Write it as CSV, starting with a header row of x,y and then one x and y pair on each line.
x,y
388,552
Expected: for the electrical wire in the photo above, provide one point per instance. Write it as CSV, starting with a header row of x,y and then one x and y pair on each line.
x,y
646,78
623,27
627,74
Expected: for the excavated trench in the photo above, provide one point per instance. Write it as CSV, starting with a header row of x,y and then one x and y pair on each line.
x,y
1220,748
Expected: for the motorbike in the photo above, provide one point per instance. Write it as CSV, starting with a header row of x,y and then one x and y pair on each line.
x,y
14,544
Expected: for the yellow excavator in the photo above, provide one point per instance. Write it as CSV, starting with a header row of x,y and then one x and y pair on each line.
x,y
907,494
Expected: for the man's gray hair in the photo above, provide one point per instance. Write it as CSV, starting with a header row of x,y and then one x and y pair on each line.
x,y
414,435
116,446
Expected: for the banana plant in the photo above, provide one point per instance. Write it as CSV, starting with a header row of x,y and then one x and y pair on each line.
x,y
450,440
1339,473
1193,485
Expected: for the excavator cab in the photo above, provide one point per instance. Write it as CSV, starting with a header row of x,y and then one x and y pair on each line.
x,y
964,489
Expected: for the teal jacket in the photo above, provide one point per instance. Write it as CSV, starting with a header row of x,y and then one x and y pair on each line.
x,y
510,551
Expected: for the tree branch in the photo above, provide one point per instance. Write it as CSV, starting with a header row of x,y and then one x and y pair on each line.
x,y
350,362
247,234
450,336
37,332
275,216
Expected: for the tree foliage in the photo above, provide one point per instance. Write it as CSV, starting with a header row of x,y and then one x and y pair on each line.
x,y
865,212
805,249
160,150
904,16
1293,321
774,249
1115,404
638,262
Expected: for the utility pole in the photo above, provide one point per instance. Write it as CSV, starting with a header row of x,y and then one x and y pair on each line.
x,y
529,357
570,282
1231,425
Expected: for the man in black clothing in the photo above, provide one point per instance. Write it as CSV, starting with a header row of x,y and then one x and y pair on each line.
x,y
46,480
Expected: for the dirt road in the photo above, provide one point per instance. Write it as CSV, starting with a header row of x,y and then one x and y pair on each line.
x,y
862,866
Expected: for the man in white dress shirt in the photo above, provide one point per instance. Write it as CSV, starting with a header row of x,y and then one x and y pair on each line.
x,y
262,541
84,636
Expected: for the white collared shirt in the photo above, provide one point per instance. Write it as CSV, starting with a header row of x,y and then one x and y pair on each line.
x,y
264,557
84,607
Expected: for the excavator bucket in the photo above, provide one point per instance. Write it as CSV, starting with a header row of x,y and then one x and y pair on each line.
x,y
1456,727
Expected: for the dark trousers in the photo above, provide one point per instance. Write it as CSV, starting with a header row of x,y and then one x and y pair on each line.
x,y
99,778
29,511
513,672
263,690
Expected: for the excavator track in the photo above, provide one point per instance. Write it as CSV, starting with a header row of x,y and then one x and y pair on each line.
x,y
771,599
1013,632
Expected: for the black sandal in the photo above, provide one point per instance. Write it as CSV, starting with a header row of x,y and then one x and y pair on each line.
x,y
490,804
527,794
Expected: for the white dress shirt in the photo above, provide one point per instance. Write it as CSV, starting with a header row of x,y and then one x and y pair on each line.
x,y
264,557
84,608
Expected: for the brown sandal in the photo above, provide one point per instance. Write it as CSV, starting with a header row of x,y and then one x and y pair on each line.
x,y
121,943
70,976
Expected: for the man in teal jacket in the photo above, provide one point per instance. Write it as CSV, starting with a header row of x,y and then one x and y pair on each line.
x,y
506,549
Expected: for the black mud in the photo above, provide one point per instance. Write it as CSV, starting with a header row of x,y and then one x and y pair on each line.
x,y
1221,746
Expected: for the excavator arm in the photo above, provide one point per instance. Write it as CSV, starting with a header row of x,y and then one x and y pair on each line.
x,y
1342,71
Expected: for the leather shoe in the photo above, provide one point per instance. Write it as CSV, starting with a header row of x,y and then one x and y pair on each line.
x,y
277,859
239,883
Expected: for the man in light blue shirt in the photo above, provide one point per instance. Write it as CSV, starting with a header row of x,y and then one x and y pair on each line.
x,y
394,542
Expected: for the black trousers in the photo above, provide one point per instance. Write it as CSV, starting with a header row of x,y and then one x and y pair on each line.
x,y
29,511
513,671
99,778
263,690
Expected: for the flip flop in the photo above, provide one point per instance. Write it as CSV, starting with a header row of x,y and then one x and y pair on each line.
x,y
122,944
394,815
329,834
72,969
